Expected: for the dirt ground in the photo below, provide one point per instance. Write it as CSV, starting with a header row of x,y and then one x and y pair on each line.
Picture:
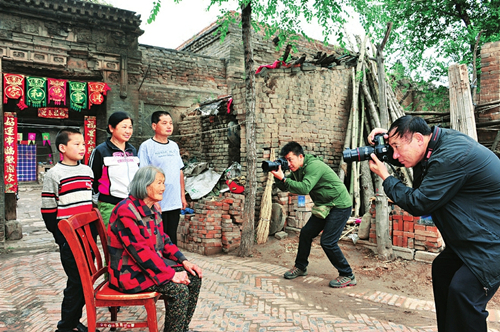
x,y
403,277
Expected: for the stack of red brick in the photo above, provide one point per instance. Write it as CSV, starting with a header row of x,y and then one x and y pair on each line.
x,y
407,231
215,226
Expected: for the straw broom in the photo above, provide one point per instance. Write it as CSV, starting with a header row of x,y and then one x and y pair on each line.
x,y
266,208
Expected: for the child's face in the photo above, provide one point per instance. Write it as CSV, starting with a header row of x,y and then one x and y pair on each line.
x,y
74,150
164,127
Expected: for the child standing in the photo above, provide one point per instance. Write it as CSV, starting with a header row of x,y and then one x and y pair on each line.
x,y
67,190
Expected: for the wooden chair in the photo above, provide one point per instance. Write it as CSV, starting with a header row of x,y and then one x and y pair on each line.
x,y
90,261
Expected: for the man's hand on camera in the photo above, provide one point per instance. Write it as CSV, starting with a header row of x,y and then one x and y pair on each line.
x,y
378,167
278,174
375,132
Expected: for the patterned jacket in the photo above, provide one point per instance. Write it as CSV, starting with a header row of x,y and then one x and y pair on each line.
x,y
113,170
141,254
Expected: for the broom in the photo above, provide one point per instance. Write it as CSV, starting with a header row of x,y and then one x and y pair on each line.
x,y
266,208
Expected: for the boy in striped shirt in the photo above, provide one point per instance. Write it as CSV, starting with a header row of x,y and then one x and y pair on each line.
x,y
67,190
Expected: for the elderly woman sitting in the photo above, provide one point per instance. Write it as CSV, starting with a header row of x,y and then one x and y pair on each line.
x,y
142,256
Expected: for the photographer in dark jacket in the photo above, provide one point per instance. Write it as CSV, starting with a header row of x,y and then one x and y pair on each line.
x,y
332,207
457,181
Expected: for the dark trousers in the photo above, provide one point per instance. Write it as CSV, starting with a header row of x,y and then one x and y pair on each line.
x,y
332,227
170,223
459,296
73,300
181,302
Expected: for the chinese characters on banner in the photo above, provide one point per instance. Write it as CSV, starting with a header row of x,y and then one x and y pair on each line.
x,y
10,152
90,131
53,113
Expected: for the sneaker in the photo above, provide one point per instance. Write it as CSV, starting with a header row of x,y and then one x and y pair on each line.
x,y
343,281
294,273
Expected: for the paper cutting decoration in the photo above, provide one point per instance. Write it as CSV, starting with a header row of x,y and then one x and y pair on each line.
x,y
77,95
46,138
36,91
96,92
14,89
10,151
89,132
57,91
53,113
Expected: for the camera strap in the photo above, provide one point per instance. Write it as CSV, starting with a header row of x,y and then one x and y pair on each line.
x,y
436,132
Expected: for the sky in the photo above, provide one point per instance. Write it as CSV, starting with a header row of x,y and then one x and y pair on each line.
x,y
177,23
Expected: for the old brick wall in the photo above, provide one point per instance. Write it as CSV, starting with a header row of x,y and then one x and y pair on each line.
x,y
408,231
310,107
215,226
264,50
206,139
174,81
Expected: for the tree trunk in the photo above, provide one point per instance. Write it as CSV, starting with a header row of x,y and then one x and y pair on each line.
x,y
461,108
247,235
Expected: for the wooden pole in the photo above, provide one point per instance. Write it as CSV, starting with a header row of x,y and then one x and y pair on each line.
x,y
384,114
461,108
384,244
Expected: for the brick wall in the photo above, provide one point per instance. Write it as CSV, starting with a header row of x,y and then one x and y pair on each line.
x,y
408,231
264,50
215,227
310,107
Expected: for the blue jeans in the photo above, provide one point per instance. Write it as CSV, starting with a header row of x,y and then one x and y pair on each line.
x,y
332,227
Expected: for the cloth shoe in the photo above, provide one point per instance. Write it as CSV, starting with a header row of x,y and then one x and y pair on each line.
x,y
294,273
79,328
343,281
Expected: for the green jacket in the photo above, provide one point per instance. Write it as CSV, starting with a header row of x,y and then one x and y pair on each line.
x,y
318,180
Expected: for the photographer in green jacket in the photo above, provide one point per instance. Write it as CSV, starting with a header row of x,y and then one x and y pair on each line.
x,y
332,208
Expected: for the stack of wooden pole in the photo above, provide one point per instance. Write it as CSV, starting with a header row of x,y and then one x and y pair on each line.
x,y
364,117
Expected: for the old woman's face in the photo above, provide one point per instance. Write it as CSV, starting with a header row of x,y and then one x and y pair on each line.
x,y
155,190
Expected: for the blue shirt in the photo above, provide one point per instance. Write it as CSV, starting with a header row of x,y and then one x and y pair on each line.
x,y
167,157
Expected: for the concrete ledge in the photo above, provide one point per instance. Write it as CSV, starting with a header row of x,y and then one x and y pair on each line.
x,y
424,256
405,253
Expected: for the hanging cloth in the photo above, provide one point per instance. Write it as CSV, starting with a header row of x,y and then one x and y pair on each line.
x,y
96,92
57,91
77,95
36,91
14,89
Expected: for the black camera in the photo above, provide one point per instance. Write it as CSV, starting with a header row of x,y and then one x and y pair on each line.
x,y
268,165
381,149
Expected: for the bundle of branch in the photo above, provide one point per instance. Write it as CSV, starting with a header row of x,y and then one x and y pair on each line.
x,y
365,116
266,208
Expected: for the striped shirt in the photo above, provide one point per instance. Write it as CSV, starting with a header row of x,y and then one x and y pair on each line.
x,y
67,190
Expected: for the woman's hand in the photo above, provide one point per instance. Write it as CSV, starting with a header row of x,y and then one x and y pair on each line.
x,y
181,278
193,269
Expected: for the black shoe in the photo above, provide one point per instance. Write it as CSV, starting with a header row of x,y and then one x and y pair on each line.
x,y
82,328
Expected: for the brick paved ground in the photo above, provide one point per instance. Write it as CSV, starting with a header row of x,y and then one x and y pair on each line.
x,y
238,294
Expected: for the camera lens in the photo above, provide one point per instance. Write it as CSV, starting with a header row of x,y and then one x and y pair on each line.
x,y
358,154
269,166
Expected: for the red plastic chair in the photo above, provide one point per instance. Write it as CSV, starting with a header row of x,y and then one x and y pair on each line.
x,y
89,260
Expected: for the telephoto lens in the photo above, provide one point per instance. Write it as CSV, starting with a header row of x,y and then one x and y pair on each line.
x,y
358,154
268,166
